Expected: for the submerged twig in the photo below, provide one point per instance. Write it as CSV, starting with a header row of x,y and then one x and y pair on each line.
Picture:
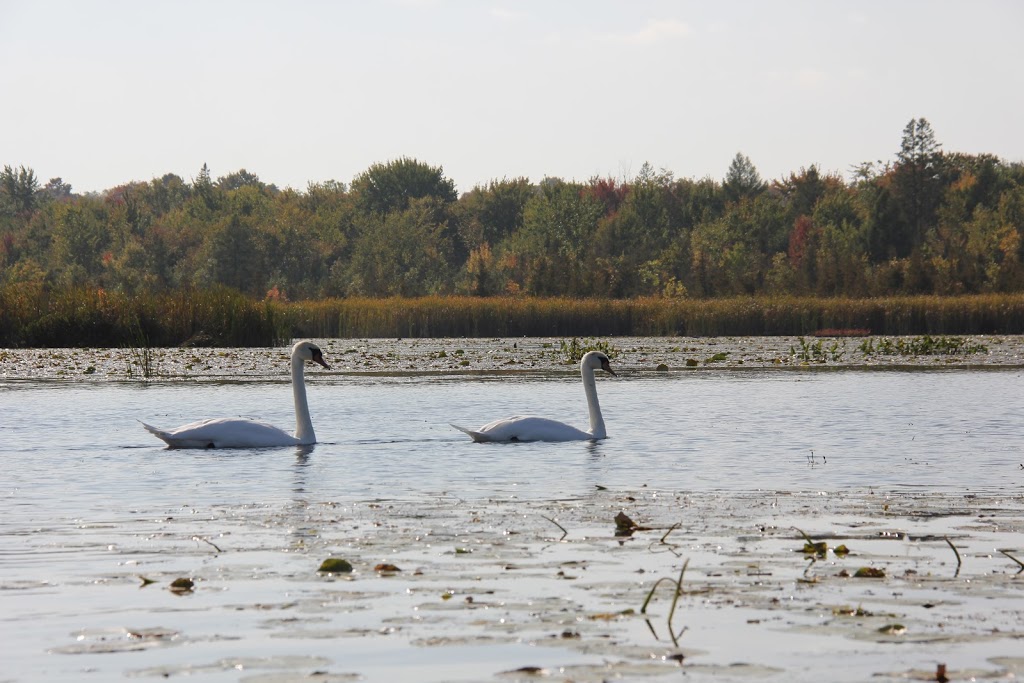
x,y
206,540
1019,563
955,551
564,532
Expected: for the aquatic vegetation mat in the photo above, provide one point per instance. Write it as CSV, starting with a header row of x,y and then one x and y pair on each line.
x,y
638,585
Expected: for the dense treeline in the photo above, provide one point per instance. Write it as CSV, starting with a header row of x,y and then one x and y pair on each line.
x,y
163,261
929,222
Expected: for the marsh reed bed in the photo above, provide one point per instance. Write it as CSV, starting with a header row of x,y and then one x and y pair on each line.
x,y
98,318
88,317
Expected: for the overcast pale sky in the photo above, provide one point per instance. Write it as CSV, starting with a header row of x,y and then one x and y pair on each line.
x,y
103,92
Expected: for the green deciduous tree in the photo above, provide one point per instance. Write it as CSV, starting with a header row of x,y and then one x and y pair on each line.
x,y
550,253
392,186
402,253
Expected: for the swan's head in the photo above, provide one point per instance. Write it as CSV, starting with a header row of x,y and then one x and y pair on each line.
x,y
595,360
308,351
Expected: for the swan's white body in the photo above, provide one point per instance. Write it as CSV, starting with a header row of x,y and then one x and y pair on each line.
x,y
240,432
532,428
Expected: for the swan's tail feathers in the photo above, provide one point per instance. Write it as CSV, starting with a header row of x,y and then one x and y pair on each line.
x,y
159,433
476,436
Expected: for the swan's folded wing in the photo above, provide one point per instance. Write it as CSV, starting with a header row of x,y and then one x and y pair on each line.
x,y
227,432
526,428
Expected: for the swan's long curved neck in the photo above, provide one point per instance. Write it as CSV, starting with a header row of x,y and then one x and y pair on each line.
x,y
303,423
597,429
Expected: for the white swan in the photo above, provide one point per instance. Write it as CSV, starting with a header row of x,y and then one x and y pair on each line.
x,y
240,432
530,428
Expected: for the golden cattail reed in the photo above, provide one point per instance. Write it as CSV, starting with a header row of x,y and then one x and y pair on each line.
x,y
41,317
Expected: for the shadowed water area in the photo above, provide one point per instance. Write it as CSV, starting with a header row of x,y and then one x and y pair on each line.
x,y
504,562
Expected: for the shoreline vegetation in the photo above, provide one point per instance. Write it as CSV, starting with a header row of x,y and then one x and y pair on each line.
x,y
88,317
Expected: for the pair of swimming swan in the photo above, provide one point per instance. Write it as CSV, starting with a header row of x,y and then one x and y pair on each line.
x,y
237,432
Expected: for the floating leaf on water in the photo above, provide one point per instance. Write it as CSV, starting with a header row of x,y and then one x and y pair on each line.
x,y
841,550
145,581
893,629
182,585
819,548
811,547
623,522
846,611
691,362
531,670
870,573
462,551
335,565
662,367
386,567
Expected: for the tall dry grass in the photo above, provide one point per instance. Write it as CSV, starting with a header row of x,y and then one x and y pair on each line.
x,y
80,317
87,317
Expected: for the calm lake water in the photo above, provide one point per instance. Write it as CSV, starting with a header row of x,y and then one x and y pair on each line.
x,y
77,463
390,436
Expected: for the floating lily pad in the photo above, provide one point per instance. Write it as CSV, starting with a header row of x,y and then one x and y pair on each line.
x,y
335,565
182,585
869,573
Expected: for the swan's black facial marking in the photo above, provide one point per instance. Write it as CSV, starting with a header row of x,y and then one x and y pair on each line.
x,y
318,356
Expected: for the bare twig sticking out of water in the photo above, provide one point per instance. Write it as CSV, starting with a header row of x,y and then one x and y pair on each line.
x,y
661,541
670,530
955,552
1019,563
206,540
564,532
675,599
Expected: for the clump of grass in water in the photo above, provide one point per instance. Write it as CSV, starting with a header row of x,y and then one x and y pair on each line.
x,y
816,352
925,345
574,350
140,353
